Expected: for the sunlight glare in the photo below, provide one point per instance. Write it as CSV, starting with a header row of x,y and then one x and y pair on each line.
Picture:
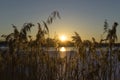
x,y
63,38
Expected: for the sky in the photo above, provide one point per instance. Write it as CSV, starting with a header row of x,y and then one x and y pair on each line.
x,y
83,16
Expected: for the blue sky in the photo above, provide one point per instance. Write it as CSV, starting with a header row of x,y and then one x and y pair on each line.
x,y
84,16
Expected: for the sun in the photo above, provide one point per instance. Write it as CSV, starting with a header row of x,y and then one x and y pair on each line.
x,y
63,38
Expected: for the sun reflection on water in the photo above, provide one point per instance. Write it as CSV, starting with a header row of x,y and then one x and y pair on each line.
x,y
62,52
62,49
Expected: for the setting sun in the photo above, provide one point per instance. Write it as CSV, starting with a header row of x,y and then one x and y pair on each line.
x,y
63,38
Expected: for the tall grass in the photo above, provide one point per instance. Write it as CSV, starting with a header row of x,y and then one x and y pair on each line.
x,y
26,59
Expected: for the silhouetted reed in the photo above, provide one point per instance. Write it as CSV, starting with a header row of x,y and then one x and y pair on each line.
x,y
28,59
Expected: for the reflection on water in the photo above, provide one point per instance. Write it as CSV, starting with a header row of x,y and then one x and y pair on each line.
x,y
62,49
62,52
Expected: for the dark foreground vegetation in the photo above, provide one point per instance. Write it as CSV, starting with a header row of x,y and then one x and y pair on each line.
x,y
25,58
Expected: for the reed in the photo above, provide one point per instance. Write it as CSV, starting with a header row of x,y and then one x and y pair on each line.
x,y
26,59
